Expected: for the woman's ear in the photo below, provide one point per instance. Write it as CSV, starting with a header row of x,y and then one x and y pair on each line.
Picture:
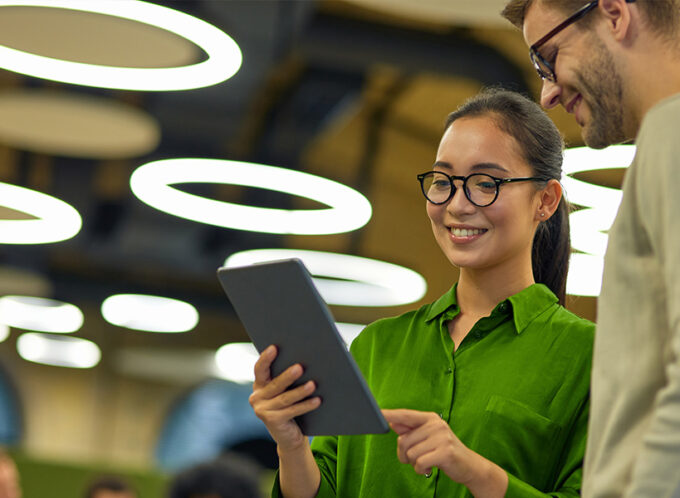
x,y
548,200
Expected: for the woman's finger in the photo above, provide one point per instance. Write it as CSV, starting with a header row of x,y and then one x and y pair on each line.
x,y
263,366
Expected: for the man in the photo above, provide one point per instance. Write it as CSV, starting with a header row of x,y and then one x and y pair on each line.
x,y
615,65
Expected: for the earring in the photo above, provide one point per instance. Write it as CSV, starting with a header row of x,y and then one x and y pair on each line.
x,y
542,215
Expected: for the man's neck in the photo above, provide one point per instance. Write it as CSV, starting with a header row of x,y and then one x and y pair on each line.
x,y
654,72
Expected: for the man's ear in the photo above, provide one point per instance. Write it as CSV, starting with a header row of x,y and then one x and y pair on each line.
x,y
618,16
549,198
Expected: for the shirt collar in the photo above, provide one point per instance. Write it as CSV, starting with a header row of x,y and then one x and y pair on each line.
x,y
525,306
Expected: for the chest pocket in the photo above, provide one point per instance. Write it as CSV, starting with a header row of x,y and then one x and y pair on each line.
x,y
520,440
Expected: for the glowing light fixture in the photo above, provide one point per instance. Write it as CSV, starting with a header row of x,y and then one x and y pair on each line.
x,y
55,220
349,331
57,350
4,332
149,313
224,55
588,226
236,361
151,184
353,281
37,313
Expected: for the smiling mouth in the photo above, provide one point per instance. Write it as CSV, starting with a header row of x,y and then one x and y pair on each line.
x,y
466,232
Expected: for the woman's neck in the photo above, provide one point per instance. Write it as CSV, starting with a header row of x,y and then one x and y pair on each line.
x,y
479,291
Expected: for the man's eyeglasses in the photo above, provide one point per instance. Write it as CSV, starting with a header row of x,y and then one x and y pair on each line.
x,y
480,189
544,68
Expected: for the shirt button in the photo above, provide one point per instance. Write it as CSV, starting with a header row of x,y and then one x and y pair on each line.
x,y
428,475
449,370
503,307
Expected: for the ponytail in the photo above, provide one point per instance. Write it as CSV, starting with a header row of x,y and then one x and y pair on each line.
x,y
551,250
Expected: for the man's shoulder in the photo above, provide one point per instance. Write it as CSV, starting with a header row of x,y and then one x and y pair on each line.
x,y
665,111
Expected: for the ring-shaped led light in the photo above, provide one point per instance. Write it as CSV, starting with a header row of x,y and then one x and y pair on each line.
x,y
580,159
350,280
236,362
55,220
4,332
224,55
151,183
37,313
58,351
585,275
149,313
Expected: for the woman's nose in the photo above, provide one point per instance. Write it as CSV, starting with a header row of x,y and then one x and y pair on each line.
x,y
459,203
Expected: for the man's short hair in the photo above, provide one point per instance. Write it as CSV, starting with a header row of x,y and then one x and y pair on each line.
x,y
662,16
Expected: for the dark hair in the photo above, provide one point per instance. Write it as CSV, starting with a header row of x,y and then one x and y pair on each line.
x,y
226,477
662,16
542,146
109,483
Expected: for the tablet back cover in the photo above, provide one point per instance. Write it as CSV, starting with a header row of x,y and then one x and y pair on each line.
x,y
278,304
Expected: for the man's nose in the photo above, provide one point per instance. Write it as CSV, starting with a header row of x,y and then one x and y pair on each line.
x,y
550,94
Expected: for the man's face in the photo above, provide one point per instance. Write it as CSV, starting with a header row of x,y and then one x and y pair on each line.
x,y
588,82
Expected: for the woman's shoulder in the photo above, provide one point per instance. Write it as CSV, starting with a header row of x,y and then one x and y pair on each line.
x,y
573,327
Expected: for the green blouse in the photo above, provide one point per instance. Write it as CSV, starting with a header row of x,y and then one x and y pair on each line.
x,y
515,391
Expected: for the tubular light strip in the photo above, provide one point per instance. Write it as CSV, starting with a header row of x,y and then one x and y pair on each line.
x,y
56,220
588,226
354,281
224,55
58,350
151,183
36,313
149,313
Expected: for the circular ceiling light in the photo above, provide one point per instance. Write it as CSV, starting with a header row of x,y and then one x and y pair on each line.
x,y
58,350
224,55
37,313
585,275
149,313
4,332
236,362
347,280
56,220
349,331
151,183
589,226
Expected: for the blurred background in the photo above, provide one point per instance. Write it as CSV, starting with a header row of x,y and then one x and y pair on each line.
x,y
354,91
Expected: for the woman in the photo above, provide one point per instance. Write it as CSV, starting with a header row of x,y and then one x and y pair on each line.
x,y
486,389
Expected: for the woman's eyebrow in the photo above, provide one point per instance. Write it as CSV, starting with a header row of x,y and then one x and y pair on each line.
x,y
484,166
442,164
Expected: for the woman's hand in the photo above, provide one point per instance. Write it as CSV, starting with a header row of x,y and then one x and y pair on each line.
x,y
426,441
277,407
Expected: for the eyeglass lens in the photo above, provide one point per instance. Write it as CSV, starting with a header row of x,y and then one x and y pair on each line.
x,y
481,189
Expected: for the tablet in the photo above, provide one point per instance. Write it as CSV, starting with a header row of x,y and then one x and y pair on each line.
x,y
278,304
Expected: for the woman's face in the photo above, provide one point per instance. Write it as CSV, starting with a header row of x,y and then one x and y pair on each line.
x,y
485,237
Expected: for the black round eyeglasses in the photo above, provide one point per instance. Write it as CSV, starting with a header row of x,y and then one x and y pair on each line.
x,y
480,189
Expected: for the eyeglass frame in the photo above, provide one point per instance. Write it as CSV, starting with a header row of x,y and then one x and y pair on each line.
x,y
464,179
535,56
